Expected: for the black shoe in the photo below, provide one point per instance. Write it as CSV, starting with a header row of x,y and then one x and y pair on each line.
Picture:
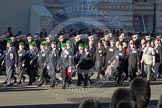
x,y
4,82
15,82
29,84
40,84
63,87
19,82
52,86
78,84
98,77
23,79
7,85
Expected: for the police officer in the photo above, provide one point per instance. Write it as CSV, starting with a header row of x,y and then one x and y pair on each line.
x,y
52,62
10,61
21,63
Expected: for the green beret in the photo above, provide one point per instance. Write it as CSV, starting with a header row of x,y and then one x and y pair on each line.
x,y
21,43
53,43
9,41
86,46
81,45
63,45
33,43
68,42
43,43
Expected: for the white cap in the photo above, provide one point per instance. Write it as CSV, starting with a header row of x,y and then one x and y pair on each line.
x,y
147,36
92,36
158,36
12,38
61,36
29,37
20,36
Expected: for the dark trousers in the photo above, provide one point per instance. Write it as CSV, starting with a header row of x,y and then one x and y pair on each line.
x,y
52,74
42,75
84,78
10,75
132,75
119,70
19,71
31,71
100,71
65,78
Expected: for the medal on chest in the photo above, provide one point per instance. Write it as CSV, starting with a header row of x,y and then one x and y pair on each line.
x,y
11,56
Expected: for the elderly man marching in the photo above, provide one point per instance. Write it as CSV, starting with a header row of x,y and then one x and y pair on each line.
x,y
52,63
11,61
21,63
64,62
148,58
42,63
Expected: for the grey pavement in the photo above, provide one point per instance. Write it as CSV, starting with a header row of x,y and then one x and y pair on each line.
x,y
46,97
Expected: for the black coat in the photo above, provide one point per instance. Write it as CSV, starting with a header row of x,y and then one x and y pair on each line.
x,y
11,57
158,54
100,56
21,54
85,62
120,55
42,59
53,58
133,60
109,55
92,51
30,56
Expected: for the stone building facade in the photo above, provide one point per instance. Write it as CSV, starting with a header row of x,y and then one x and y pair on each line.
x,y
130,15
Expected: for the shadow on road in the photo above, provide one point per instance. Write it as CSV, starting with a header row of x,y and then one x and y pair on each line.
x,y
104,105
22,88
152,103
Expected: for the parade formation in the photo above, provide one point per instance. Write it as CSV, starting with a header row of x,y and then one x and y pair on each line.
x,y
114,55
